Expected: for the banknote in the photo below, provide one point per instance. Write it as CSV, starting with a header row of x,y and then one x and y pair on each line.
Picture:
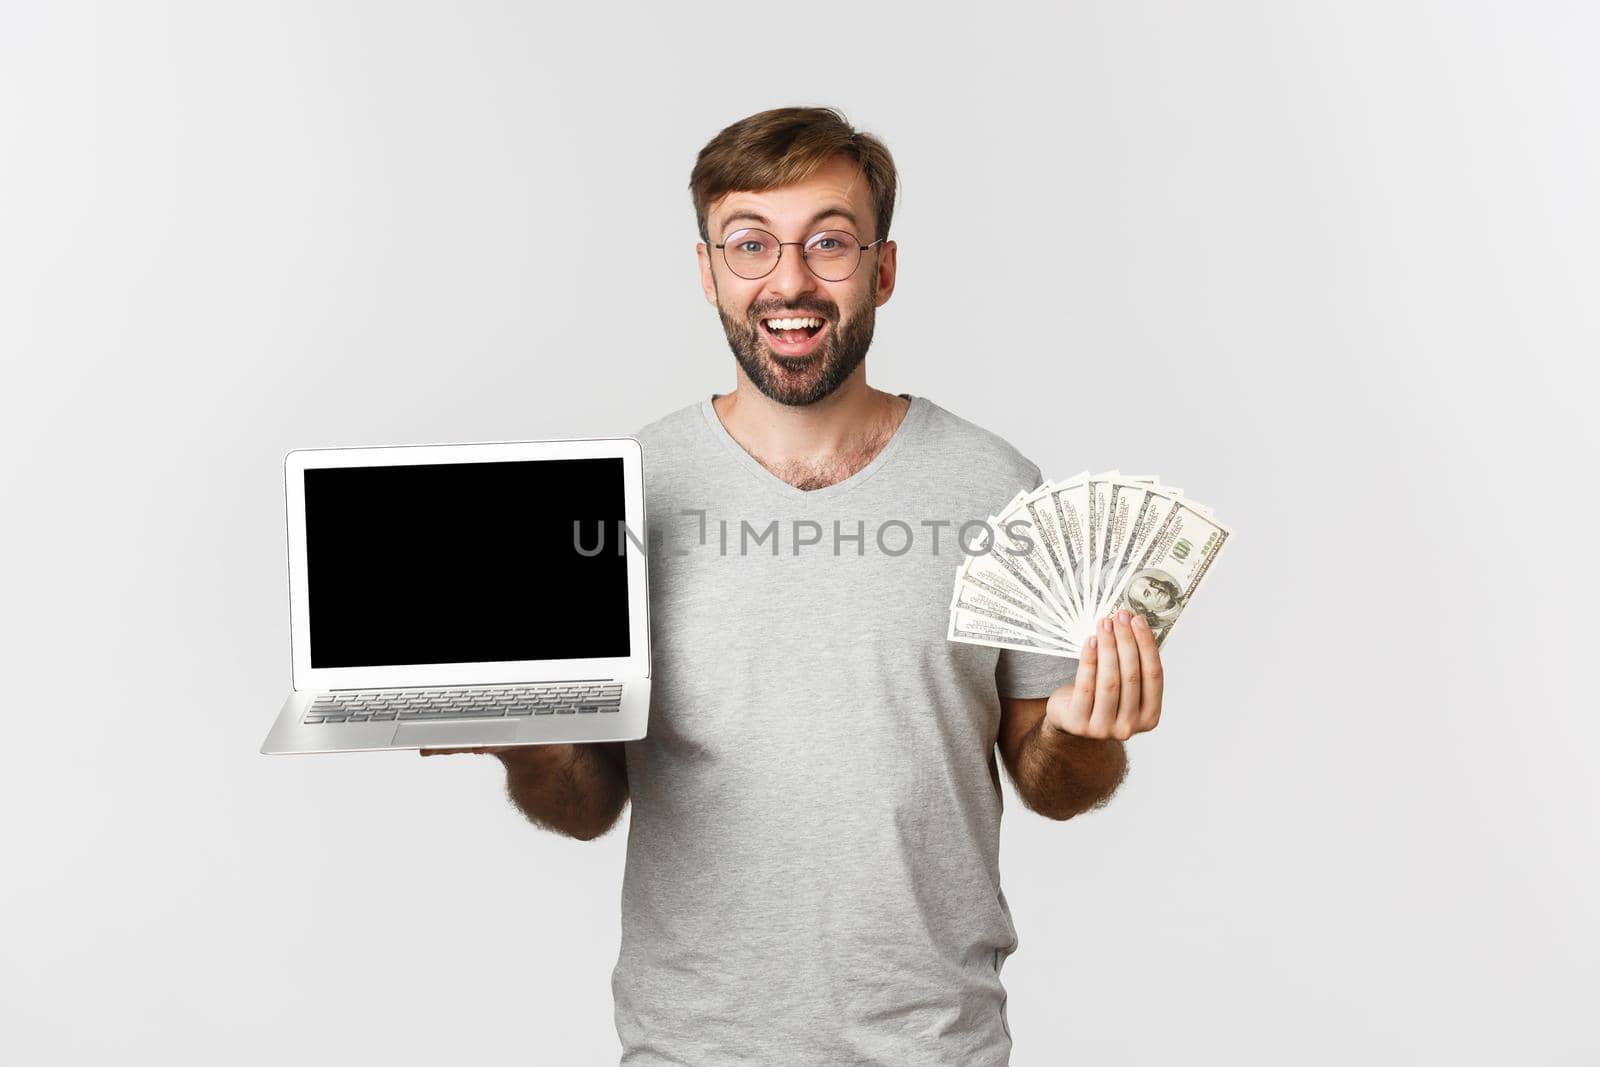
x,y
974,603
1170,568
1005,559
983,586
1060,557
1056,510
977,630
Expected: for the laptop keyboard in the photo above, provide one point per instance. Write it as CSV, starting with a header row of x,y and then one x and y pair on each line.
x,y
489,702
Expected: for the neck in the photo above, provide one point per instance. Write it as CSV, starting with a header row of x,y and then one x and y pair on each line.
x,y
817,444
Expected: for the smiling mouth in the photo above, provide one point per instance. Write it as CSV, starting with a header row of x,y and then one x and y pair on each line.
x,y
795,343
790,336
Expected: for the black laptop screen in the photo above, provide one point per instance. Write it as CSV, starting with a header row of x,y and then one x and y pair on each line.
x,y
467,562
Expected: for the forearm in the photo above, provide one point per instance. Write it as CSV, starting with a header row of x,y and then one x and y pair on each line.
x,y
1060,775
576,790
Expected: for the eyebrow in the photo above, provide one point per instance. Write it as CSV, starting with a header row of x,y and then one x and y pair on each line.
x,y
843,213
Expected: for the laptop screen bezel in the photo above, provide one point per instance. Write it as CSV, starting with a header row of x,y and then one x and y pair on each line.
x,y
304,676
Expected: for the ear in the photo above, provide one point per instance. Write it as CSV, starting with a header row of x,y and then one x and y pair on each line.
x,y
708,281
886,272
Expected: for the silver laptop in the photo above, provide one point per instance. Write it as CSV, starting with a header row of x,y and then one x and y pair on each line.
x,y
463,595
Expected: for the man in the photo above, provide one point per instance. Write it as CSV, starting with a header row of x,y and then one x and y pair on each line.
x,y
812,872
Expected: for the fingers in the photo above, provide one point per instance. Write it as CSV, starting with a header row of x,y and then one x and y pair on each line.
x,y
1128,707
1117,692
1151,675
1080,702
1108,682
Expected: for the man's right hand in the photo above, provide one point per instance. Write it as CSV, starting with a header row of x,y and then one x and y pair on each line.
x,y
575,789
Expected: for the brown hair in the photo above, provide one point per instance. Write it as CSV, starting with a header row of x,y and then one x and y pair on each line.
x,y
785,145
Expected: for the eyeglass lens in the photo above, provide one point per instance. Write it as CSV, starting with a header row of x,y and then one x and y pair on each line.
x,y
832,254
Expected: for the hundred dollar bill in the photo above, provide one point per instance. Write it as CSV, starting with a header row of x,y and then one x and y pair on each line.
x,y
978,630
972,602
1017,532
1002,556
1109,503
1169,570
1071,506
1130,520
1112,498
1048,517
1061,556
1099,490
1148,510
998,584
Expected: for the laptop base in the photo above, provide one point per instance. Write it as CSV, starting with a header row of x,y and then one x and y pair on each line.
x,y
291,735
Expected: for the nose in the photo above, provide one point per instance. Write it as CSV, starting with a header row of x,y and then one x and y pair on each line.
x,y
791,276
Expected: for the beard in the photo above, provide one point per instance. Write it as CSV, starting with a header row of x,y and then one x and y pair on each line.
x,y
807,379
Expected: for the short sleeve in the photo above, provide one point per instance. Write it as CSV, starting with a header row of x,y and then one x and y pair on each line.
x,y
1032,674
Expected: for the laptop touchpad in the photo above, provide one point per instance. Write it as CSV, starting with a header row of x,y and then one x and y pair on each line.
x,y
455,734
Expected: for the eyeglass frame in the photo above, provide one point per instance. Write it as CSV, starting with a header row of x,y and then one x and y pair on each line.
x,y
859,256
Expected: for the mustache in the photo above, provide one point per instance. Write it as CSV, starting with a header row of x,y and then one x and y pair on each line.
x,y
828,312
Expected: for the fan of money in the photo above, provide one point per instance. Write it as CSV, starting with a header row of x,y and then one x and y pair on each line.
x,y
1061,557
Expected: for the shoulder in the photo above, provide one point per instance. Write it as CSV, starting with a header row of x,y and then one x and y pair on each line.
x,y
676,448
674,426
966,450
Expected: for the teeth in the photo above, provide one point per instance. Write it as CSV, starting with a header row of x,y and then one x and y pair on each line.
x,y
792,324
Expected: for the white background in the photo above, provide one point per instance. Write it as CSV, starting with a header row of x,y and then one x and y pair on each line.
x,y
1331,267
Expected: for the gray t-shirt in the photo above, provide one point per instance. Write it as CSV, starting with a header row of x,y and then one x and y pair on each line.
x,y
813,871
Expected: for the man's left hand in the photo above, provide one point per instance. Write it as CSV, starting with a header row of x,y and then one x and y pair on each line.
x,y
1117,692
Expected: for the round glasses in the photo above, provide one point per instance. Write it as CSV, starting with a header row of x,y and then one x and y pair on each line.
x,y
832,255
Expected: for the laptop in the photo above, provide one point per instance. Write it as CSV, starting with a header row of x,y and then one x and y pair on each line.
x,y
457,595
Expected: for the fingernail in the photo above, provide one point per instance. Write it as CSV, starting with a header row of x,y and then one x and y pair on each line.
x,y
1087,645
1105,624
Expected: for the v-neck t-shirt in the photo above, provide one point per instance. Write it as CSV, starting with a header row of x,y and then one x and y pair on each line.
x,y
812,871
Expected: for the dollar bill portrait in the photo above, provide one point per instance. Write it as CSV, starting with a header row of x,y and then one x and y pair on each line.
x,y
1154,594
